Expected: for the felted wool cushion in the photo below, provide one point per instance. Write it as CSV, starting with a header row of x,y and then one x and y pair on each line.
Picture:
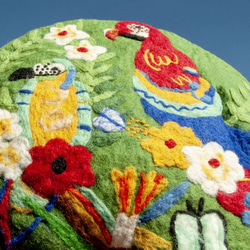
x,y
119,135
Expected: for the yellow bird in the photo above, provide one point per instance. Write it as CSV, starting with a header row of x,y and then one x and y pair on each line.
x,y
53,111
53,108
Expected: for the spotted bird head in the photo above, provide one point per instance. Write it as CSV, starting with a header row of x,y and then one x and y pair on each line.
x,y
134,30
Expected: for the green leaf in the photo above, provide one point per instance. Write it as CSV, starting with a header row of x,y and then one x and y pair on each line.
x,y
17,44
244,92
33,35
232,107
4,54
6,101
60,228
246,85
85,66
237,98
101,69
104,57
26,47
112,103
79,24
232,121
103,96
99,80
244,117
4,67
101,139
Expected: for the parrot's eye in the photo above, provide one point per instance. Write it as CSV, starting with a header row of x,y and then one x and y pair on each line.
x,y
139,30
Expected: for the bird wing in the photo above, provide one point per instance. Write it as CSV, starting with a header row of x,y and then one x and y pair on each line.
x,y
166,67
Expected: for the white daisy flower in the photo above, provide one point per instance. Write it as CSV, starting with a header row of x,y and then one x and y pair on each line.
x,y
14,157
9,127
65,35
84,51
213,168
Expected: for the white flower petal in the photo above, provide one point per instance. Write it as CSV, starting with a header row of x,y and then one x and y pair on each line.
x,y
63,41
12,173
85,43
21,147
210,187
100,50
192,152
228,186
231,158
54,30
213,178
213,147
71,26
48,36
195,174
9,126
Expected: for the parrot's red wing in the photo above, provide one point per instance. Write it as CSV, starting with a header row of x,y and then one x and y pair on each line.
x,y
165,66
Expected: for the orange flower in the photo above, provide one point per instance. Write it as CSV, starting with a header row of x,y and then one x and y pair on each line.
x,y
124,183
126,233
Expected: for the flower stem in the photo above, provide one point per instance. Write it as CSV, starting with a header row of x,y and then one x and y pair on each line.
x,y
64,231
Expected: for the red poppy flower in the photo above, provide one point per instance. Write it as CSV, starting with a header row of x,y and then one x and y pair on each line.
x,y
58,166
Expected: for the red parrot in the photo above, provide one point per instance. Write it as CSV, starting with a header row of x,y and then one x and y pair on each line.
x,y
159,64
171,89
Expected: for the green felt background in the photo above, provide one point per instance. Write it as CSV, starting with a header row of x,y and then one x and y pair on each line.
x,y
118,150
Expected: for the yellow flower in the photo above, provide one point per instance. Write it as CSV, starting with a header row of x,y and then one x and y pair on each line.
x,y
166,144
124,184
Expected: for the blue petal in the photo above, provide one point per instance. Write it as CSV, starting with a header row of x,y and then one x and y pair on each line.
x,y
165,203
3,189
245,217
109,120
247,200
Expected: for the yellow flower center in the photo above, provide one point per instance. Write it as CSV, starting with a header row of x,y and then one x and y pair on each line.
x,y
216,168
5,126
64,33
9,156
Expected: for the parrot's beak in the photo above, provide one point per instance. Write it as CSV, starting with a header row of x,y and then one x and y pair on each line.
x,y
22,73
111,33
